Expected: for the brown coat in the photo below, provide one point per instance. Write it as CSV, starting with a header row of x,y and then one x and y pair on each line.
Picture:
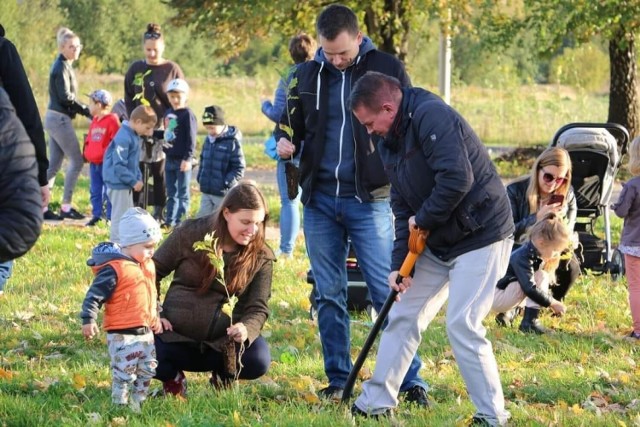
x,y
196,315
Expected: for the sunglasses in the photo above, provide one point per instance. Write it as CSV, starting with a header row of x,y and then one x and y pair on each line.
x,y
548,178
152,36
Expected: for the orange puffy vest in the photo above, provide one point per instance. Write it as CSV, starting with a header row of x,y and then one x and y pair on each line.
x,y
134,301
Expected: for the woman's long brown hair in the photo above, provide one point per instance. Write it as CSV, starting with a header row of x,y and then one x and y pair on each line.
x,y
246,261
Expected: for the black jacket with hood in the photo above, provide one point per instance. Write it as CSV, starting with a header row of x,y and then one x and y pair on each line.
x,y
307,113
441,172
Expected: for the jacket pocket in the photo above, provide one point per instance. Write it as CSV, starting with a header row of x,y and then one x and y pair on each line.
x,y
466,218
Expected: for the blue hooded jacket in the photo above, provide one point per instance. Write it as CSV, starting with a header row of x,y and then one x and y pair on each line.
x,y
121,168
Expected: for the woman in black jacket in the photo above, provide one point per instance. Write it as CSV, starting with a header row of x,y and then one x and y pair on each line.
x,y
546,189
63,107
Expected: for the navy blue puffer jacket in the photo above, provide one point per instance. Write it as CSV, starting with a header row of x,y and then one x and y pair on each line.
x,y
20,200
221,162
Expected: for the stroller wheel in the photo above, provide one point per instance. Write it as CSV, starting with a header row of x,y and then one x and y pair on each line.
x,y
616,266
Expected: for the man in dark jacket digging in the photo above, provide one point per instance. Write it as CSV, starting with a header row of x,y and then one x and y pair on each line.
x,y
442,181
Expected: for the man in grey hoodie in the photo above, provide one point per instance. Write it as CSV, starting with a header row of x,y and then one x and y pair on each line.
x,y
345,191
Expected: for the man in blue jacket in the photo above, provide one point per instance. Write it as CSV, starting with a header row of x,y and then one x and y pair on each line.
x,y
442,181
344,189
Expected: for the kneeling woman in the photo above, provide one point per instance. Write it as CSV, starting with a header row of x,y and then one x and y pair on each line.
x,y
196,328
528,275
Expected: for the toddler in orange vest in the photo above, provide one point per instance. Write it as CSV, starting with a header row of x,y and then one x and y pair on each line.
x,y
125,282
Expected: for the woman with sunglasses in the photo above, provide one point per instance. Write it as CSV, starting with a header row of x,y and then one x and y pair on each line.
x,y
145,83
547,189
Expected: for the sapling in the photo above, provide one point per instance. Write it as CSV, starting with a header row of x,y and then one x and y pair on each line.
x,y
214,253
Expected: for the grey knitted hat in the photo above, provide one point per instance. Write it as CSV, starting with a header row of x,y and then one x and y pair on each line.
x,y
137,226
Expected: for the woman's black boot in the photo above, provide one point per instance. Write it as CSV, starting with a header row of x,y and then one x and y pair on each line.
x,y
530,322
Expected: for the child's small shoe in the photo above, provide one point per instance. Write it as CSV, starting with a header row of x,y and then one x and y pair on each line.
x,y
135,407
635,335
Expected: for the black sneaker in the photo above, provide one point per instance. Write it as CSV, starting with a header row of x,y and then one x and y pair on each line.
x,y
50,215
417,396
357,412
477,421
331,393
635,335
93,221
72,214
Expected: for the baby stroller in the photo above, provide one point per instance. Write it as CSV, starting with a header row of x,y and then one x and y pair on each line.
x,y
596,151
358,297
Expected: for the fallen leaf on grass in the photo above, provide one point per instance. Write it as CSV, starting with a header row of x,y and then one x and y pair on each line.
x,y
302,383
94,418
576,409
23,315
310,397
516,383
45,383
283,304
555,374
236,419
5,375
365,373
79,382
118,421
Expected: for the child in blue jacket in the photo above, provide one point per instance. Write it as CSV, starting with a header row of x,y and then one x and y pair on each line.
x,y
120,169
221,161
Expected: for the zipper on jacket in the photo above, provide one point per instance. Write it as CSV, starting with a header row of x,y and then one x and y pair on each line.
x,y
353,135
340,142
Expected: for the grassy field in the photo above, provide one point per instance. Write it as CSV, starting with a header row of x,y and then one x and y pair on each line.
x,y
510,115
585,373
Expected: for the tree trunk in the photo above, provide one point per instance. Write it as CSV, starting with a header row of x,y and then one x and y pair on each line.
x,y
392,28
623,95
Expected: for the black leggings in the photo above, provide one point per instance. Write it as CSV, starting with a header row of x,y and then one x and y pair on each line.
x,y
174,357
566,275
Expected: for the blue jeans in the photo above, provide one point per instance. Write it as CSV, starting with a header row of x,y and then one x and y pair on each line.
x,y
5,272
98,192
177,191
328,222
289,210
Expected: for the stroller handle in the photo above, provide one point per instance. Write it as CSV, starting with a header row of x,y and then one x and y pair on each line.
x,y
618,131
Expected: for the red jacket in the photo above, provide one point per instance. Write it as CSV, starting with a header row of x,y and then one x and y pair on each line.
x,y
101,133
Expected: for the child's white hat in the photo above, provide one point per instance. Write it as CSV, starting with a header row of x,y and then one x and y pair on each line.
x,y
178,85
137,226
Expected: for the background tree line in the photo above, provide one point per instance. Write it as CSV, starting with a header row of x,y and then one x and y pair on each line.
x,y
497,43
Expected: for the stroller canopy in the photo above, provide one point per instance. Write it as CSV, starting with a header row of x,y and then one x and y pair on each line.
x,y
595,159
597,140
